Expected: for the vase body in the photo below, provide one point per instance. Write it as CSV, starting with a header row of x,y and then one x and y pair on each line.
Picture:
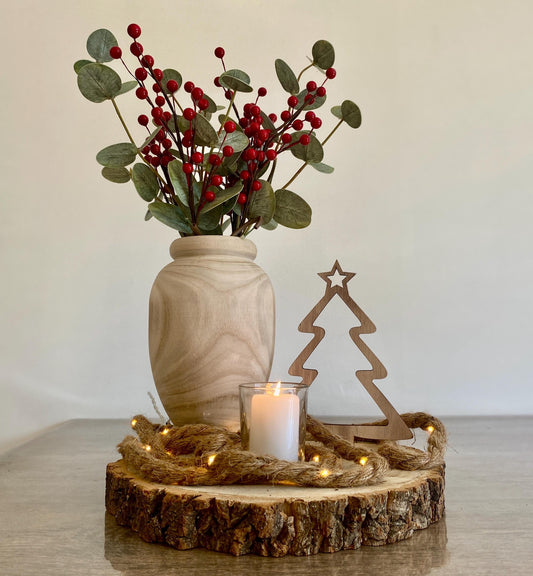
x,y
211,328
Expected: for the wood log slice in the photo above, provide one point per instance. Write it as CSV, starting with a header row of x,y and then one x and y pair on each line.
x,y
275,520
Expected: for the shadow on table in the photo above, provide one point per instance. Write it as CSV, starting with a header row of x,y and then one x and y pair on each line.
x,y
130,556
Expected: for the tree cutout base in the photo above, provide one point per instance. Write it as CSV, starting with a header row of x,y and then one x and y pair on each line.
x,y
336,285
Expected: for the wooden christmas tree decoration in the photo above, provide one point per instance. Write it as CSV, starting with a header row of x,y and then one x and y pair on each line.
x,y
394,428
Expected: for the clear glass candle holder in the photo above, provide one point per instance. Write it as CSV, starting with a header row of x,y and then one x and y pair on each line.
x,y
273,418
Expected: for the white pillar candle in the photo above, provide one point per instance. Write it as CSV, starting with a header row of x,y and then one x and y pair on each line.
x,y
274,425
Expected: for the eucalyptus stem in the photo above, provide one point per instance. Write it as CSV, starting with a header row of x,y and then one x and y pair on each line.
x,y
306,68
234,93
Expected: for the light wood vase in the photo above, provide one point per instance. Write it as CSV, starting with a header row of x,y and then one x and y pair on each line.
x,y
211,328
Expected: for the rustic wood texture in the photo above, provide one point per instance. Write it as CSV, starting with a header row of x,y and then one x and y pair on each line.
x,y
395,429
275,520
211,328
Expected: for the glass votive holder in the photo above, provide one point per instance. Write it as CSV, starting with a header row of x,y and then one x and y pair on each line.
x,y
273,418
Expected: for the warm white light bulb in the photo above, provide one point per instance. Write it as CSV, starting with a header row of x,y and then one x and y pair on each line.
x,y
211,459
324,473
133,423
316,458
430,429
363,460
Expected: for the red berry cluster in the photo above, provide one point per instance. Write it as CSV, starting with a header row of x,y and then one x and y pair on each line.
x,y
266,140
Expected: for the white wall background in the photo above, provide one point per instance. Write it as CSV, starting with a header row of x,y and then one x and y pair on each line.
x,y
431,201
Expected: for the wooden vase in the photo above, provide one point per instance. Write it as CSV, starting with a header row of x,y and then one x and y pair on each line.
x,y
211,328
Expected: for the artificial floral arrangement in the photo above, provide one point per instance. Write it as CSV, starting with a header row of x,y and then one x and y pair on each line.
x,y
199,178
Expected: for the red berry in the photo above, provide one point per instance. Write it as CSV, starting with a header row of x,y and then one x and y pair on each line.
x,y
187,142
256,185
115,52
203,104
230,126
247,110
227,151
197,157
147,60
309,115
134,30
216,180
285,115
197,93
244,122
141,74
297,124
155,149
188,87
188,168
321,91
331,73
160,136
155,161
136,49
160,100
217,82
215,160
286,138
143,120
311,86
156,88
189,114
244,175
305,139
255,110
262,92
242,198
292,101
271,155
157,113
228,94
165,160
146,149
141,93
167,115
158,74
273,117
220,52
188,134
210,195
167,143
316,123
172,86
249,154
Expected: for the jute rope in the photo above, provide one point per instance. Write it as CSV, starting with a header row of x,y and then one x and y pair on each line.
x,y
200,454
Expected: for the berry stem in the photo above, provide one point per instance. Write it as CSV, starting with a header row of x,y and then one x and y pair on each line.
x,y
234,93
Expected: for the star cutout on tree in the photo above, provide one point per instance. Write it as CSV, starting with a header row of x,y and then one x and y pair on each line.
x,y
336,277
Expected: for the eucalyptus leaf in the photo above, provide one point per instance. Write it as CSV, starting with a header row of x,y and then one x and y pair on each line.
x,y
323,54
204,132
292,210
117,154
212,108
262,202
170,215
351,114
210,219
127,86
145,182
267,122
99,43
98,82
236,80
272,225
287,77
324,168
315,103
179,181
313,152
337,112
237,140
223,196
80,64
170,74
117,174
152,135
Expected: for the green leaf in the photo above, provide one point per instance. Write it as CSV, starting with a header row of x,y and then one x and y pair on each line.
x,y
127,86
152,135
272,225
351,114
117,154
262,202
324,168
287,77
237,140
336,111
170,215
323,54
80,64
223,196
291,211
179,181
98,82
99,43
212,108
210,219
236,80
204,132
145,182
117,174
313,152
267,122
316,103
170,74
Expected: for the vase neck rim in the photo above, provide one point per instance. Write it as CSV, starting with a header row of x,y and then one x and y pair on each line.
x,y
210,245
